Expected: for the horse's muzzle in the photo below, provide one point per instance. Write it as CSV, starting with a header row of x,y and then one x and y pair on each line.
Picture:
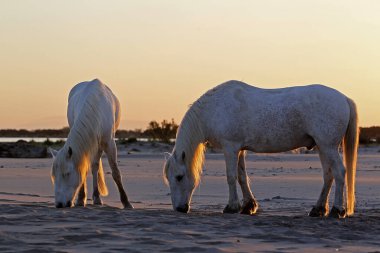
x,y
60,204
183,209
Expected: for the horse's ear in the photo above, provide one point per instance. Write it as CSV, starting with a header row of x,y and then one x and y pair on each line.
x,y
69,153
53,152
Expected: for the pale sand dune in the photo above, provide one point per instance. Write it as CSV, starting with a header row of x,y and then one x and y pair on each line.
x,y
285,185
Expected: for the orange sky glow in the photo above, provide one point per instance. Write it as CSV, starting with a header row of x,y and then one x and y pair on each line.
x,y
160,56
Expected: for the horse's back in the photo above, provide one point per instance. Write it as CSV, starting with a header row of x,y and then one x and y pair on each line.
x,y
239,98
95,98
274,117
252,92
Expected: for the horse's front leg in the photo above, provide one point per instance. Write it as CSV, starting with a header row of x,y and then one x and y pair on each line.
x,y
96,168
82,194
249,203
233,205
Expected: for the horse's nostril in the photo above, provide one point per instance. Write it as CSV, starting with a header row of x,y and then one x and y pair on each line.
x,y
59,205
68,204
183,209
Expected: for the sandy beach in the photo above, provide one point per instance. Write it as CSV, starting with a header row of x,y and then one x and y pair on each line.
x,y
286,186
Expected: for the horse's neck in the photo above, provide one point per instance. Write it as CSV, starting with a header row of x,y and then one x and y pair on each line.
x,y
190,136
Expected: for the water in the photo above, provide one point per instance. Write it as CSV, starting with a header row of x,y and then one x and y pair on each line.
x,y
28,139
43,139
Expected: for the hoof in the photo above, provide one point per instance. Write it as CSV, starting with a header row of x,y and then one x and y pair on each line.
x,y
336,213
231,209
97,201
250,207
128,205
80,203
318,211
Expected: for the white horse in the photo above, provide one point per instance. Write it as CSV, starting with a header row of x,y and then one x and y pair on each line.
x,y
94,115
235,117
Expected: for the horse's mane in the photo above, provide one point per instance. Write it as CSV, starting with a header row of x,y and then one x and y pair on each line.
x,y
191,138
85,133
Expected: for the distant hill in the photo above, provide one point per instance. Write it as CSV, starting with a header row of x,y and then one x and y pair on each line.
x,y
58,133
52,133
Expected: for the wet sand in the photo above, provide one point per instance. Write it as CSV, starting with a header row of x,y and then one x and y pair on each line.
x,y
285,185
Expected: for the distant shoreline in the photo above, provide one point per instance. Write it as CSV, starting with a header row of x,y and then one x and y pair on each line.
x,y
54,139
368,135
59,133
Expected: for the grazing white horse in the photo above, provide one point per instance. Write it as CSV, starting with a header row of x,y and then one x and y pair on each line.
x,y
235,117
94,115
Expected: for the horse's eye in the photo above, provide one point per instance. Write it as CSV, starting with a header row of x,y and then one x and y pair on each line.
x,y
179,178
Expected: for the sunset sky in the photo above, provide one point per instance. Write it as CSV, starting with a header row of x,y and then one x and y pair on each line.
x,y
159,56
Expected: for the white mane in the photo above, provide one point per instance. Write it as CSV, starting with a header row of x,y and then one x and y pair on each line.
x,y
85,130
190,140
82,137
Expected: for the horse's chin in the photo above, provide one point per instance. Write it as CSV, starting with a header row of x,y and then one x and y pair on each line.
x,y
183,208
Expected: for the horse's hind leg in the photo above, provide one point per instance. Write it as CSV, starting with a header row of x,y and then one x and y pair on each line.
x,y
249,203
334,161
231,166
339,172
322,206
112,155
95,169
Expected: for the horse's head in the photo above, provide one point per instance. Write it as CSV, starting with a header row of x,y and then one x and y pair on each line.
x,y
65,177
181,182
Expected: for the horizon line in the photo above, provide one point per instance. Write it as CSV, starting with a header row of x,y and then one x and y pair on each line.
x,y
37,129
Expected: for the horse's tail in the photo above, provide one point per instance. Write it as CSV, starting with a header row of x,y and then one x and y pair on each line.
x,y
350,150
103,190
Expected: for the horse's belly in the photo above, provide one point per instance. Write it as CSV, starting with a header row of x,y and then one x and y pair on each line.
x,y
275,146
